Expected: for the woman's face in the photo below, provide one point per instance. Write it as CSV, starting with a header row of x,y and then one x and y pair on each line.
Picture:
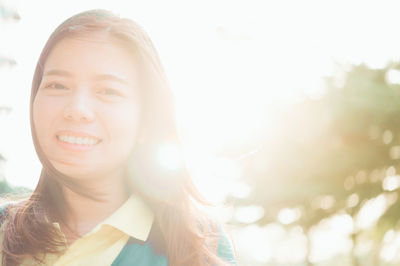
x,y
86,112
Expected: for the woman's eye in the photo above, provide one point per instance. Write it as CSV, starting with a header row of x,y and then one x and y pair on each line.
x,y
110,92
57,86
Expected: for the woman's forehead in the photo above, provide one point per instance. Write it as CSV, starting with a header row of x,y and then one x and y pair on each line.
x,y
95,46
87,58
99,38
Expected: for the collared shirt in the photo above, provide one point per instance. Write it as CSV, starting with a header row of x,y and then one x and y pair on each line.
x,y
121,239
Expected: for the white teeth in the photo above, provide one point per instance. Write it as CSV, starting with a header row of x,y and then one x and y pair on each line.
x,y
77,140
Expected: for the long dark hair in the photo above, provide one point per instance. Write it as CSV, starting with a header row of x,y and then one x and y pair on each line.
x,y
189,235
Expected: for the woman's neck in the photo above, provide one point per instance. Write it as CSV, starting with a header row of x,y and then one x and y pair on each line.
x,y
84,213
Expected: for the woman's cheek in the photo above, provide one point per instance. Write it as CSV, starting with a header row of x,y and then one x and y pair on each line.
x,y
125,123
45,113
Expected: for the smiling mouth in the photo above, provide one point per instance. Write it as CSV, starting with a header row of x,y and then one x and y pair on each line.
x,y
78,140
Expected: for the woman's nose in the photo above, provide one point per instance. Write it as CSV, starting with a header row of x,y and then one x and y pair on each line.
x,y
79,109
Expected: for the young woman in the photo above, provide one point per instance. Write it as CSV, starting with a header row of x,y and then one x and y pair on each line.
x,y
101,108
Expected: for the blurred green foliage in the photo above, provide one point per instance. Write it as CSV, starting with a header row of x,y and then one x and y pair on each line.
x,y
333,154
7,14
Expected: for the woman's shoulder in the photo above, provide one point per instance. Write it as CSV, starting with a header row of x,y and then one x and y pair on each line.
x,y
8,207
226,248
3,219
3,207
220,236
223,240
4,213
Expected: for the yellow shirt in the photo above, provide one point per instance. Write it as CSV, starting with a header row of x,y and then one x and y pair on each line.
x,y
103,244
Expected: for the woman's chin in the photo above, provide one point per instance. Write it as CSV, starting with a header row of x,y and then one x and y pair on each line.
x,y
77,170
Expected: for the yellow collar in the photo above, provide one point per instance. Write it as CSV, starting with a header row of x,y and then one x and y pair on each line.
x,y
134,218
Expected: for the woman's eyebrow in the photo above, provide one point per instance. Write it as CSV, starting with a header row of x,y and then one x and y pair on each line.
x,y
59,72
112,78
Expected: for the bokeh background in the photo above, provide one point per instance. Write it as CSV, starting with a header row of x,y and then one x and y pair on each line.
x,y
289,112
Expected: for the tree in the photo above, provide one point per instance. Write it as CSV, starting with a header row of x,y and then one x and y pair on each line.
x,y
6,15
331,150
